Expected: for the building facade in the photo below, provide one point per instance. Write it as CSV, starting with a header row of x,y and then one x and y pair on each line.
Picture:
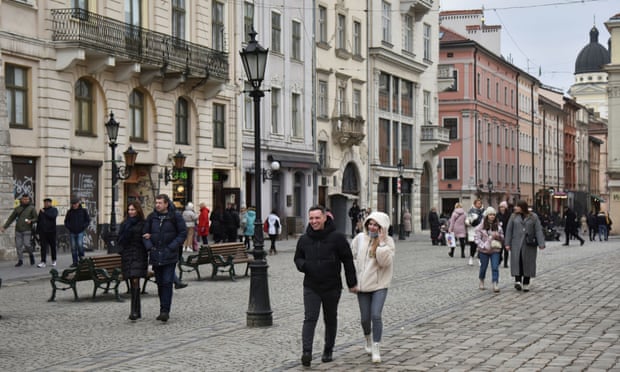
x,y
159,68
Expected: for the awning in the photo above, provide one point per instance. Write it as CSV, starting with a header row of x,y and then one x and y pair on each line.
x,y
597,198
292,161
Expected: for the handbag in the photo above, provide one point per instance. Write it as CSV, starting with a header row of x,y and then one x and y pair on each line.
x,y
496,244
531,241
450,240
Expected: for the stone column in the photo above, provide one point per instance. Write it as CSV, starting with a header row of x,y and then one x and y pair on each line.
x,y
7,240
613,126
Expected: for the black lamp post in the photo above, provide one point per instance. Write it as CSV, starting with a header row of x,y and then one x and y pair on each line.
x,y
490,187
259,314
401,168
118,173
171,174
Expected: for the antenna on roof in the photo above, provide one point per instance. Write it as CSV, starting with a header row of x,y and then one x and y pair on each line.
x,y
482,19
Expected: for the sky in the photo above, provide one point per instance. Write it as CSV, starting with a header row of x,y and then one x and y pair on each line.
x,y
545,35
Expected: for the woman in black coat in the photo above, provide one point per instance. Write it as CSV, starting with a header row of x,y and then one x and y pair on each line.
x,y
433,221
134,258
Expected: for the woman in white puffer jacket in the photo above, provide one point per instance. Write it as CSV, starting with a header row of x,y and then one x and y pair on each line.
x,y
373,254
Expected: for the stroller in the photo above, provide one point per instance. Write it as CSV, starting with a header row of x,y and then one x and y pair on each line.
x,y
443,229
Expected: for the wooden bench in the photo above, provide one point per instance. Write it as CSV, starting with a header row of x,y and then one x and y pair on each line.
x,y
221,256
104,271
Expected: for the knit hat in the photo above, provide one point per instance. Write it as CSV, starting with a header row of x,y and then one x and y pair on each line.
x,y
489,210
75,200
503,204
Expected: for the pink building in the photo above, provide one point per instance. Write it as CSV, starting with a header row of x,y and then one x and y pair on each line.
x,y
487,108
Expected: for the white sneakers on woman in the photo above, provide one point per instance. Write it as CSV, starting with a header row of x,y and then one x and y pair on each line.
x,y
368,347
376,356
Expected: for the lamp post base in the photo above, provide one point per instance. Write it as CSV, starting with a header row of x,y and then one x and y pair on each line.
x,y
111,241
259,312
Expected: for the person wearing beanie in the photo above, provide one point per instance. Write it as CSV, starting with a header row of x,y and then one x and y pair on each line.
x,y
373,255
503,215
488,237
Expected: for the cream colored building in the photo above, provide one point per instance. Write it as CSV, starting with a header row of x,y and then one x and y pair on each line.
x,y
162,69
613,92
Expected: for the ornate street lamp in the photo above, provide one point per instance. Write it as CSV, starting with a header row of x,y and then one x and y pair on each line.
x,y
490,187
401,168
259,314
172,174
118,173
269,173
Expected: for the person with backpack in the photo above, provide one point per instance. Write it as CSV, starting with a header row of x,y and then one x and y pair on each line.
x,y
164,234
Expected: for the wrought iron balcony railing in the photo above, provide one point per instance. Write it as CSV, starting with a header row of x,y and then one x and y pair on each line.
x,y
348,131
81,28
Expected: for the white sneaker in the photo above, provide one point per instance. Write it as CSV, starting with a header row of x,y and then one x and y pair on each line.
x,y
526,287
54,263
41,265
376,355
368,347
471,261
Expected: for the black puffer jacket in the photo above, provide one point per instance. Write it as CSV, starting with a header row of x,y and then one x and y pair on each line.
x,y
134,259
168,232
320,254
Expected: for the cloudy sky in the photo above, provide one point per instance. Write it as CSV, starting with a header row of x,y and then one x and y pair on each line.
x,y
545,34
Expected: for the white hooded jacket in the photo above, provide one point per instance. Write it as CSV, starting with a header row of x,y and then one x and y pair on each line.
x,y
374,273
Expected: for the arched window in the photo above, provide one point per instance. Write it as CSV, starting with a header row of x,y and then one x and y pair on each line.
x,y
350,184
83,108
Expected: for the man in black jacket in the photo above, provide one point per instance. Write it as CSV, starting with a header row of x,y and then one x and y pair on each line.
x,y
76,221
164,234
570,226
320,254
46,228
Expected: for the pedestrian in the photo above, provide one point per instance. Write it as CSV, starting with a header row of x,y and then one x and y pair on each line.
x,y
243,221
592,225
354,213
456,225
134,258
433,221
523,237
474,218
231,222
601,221
76,221
164,234
203,223
503,216
46,228
217,225
373,256
571,226
190,217
320,254
250,220
23,215
407,226
489,237
274,229
583,223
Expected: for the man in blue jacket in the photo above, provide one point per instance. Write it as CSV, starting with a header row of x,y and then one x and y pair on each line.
x,y
164,234
76,221
321,252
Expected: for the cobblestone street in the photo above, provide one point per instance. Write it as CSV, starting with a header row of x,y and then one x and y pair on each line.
x,y
435,318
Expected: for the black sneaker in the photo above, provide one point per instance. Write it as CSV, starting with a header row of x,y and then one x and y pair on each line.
x,y
19,263
327,356
306,358
518,286
180,285
163,317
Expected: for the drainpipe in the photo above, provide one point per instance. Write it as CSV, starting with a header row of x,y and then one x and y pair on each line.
x,y
533,148
544,157
476,118
518,136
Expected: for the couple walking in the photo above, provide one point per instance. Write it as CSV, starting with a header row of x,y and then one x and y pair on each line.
x,y
368,265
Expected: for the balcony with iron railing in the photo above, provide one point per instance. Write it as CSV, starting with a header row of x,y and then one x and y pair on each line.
x,y
100,36
346,129
434,138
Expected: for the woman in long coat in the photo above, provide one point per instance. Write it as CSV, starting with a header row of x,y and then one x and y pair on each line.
x,y
407,226
457,226
522,226
433,221
134,258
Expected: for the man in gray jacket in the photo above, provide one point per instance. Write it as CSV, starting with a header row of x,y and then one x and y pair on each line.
x,y
25,215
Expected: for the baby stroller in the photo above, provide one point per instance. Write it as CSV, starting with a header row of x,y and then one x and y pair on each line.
x,y
443,229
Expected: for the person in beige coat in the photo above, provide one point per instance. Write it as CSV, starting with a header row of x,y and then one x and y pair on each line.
x,y
373,255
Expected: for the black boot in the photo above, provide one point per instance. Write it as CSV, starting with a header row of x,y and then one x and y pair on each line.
x,y
451,253
135,303
31,259
138,307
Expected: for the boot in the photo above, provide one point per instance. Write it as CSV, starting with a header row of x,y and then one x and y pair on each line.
x,y
495,287
31,259
376,355
138,307
481,285
368,347
135,298
451,253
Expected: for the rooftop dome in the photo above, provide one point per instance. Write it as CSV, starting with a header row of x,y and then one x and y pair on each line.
x,y
593,56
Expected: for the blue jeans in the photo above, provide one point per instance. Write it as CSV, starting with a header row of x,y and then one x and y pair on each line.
x,y
371,306
484,263
602,232
164,275
312,306
77,246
